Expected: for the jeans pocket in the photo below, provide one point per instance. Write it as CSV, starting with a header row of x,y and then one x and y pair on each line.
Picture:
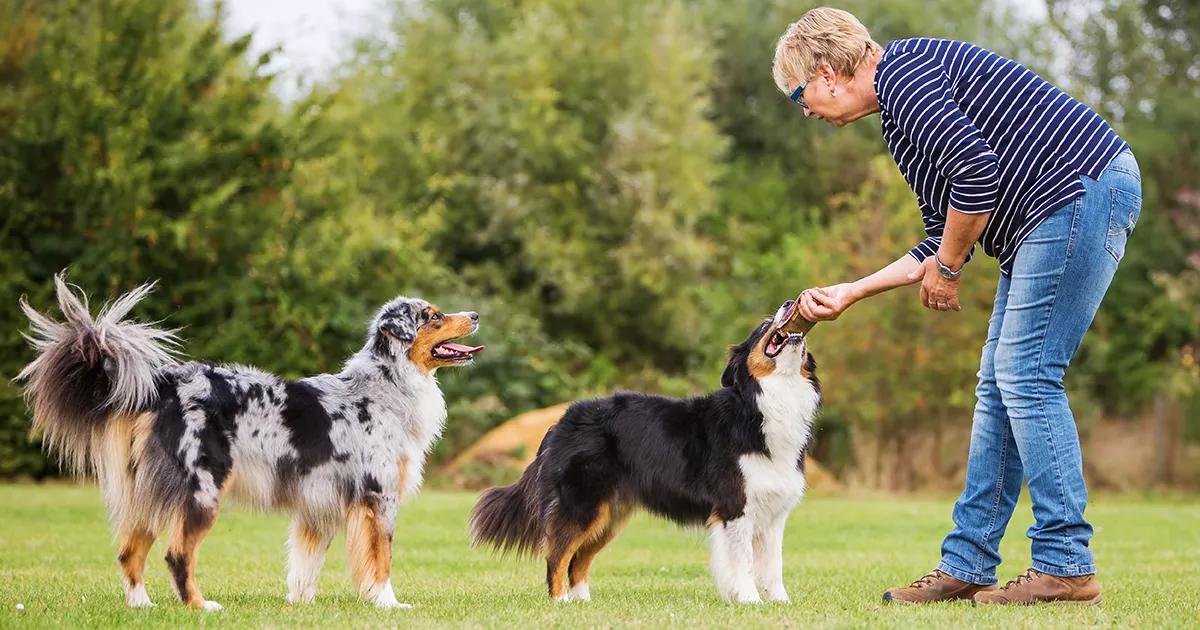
x,y
1126,207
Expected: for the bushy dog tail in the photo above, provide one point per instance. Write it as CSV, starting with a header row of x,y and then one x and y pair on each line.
x,y
509,518
89,371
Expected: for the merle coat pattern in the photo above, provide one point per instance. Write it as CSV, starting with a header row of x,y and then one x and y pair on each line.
x,y
732,460
168,439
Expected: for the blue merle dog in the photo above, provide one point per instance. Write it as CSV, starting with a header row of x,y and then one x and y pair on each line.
x,y
168,439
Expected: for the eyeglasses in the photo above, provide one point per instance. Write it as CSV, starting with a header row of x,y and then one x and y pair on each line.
x,y
798,95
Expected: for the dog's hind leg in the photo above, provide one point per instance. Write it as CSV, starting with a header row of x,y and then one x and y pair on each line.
x,y
581,563
307,545
369,528
564,537
135,546
768,559
193,524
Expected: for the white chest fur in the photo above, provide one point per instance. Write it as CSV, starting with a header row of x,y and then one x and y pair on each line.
x,y
774,483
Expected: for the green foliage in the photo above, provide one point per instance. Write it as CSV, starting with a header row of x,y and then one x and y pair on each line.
x,y
137,143
565,158
618,188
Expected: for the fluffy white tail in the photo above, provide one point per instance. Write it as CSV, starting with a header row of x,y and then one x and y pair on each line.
x,y
90,370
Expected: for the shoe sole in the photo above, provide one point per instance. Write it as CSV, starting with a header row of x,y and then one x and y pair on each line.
x,y
1061,602
958,598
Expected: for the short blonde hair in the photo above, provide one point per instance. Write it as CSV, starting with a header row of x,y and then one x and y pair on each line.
x,y
823,35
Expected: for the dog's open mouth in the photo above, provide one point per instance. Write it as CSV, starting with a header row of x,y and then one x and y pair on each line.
x,y
450,351
780,340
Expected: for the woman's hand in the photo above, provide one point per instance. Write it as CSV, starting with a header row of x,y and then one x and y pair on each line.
x,y
827,303
937,293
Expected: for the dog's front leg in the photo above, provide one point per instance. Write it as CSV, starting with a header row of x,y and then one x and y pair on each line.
x,y
768,559
369,527
732,559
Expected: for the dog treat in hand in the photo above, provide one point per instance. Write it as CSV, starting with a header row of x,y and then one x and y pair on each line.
x,y
793,322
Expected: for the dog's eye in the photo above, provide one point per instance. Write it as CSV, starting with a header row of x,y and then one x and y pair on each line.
x,y
437,317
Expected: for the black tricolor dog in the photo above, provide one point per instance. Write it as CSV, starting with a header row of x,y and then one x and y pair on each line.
x,y
169,439
732,460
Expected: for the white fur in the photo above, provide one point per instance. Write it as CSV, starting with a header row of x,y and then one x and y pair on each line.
x,y
382,596
195,419
580,592
747,552
732,560
136,596
304,566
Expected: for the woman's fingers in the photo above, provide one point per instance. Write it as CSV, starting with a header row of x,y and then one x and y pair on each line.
x,y
805,305
823,298
811,309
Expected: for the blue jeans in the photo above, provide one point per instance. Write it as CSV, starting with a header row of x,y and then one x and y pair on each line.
x,y
1023,427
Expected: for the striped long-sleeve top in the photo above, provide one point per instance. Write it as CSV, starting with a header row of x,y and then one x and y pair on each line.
x,y
976,132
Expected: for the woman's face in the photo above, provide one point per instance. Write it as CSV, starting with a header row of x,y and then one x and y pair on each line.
x,y
821,103
832,98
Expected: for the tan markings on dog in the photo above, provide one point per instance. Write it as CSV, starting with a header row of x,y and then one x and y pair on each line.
x,y
134,549
369,548
713,519
564,548
308,540
759,364
143,426
582,562
804,369
181,554
433,333
402,477
110,455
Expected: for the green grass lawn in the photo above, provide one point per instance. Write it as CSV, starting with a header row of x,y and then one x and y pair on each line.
x,y
58,560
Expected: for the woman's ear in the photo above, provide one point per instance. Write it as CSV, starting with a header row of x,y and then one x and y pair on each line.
x,y
829,74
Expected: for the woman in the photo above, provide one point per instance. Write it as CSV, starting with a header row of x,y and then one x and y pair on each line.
x,y
996,155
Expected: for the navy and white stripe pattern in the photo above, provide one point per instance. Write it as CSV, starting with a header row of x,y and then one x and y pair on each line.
x,y
977,132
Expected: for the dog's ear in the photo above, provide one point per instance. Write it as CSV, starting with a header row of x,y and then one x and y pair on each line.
x,y
401,330
730,376
736,371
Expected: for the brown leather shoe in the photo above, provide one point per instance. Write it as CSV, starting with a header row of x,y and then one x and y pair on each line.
x,y
1035,587
934,587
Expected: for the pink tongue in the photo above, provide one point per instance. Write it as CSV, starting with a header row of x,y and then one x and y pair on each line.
x,y
458,347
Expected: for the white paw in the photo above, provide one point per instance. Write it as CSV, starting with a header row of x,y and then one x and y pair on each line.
x,y
746,595
580,593
778,594
565,597
301,598
385,597
136,597
211,606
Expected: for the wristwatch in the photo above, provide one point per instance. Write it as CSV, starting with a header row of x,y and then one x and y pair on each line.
x,y
945,271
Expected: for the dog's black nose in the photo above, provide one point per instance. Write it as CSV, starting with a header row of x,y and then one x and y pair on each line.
x,y
473,315
788,304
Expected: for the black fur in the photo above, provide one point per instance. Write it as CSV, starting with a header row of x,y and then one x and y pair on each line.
x,y
676,458
309,425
